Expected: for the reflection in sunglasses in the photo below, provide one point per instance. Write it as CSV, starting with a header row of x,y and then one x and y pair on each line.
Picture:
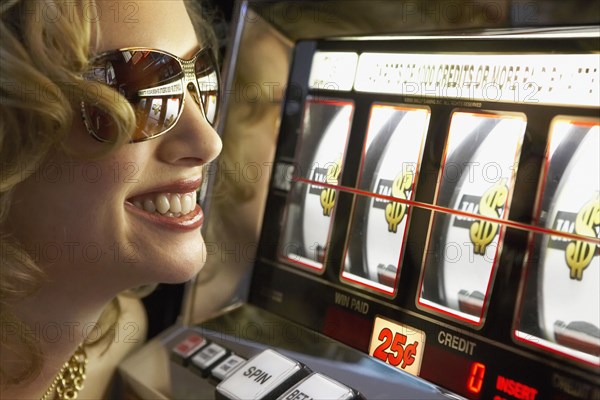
x,y
155,83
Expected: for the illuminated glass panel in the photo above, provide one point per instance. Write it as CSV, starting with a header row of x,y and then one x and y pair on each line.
x,y
477,176
319,160
390,165
560,309
397,344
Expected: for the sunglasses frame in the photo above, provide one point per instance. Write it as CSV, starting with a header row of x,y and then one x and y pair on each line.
x,y
189,78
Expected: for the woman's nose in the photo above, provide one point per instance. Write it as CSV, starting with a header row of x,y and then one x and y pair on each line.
x,y
193,140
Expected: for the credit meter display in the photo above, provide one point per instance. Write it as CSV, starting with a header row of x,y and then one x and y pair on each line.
x,y
561,301
391,158
476,178
319,160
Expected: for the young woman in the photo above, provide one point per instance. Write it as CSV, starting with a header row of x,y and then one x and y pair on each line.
x,y
105,127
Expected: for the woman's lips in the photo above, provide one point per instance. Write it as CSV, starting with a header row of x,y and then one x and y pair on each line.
x,y
188,222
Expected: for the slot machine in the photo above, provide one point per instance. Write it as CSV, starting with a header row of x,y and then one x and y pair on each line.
x,y
430,224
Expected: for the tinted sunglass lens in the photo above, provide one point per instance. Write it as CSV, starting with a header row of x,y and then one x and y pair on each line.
x,y
100,123
208,83
155,91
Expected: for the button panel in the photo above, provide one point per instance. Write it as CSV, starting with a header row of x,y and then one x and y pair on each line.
x,y
268,375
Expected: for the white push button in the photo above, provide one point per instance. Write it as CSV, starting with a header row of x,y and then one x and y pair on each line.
x,y
318,386
227,366
188,346
208,356
260,377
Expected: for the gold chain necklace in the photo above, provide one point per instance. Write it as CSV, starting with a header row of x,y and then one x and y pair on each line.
x,y
69,380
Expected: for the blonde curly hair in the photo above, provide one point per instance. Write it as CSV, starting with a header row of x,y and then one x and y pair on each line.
x,y
41,87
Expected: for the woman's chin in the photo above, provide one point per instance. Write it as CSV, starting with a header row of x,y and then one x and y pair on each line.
x,y
182,275
172,259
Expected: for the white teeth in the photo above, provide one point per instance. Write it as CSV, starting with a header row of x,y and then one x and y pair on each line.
x,y
162,203
175,204
186,204
168,204
149,205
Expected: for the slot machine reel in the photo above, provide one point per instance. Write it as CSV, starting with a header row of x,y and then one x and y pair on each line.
x,y
319,201
472,274
393,152
310,206
357,261
434,288
569,270
459,270
395,175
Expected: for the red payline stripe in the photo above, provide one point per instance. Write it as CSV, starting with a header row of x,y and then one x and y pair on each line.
x,y
446,210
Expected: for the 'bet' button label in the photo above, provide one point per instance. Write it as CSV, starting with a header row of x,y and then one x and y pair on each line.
x,y
260,376
318,386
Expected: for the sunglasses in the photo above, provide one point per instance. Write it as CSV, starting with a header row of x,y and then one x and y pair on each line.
x,y
154,82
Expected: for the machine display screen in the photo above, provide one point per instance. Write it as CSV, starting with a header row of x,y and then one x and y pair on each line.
x,y
438,208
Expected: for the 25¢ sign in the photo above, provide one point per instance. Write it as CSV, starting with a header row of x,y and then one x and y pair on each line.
x,y
398,345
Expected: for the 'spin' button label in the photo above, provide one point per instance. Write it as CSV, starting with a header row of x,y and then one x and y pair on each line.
x,y
264,376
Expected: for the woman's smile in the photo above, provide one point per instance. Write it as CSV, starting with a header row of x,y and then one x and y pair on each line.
x,y
172,205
